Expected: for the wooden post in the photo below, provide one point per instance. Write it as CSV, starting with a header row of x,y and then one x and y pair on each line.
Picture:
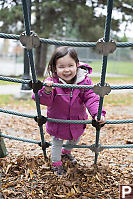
x,y
3,150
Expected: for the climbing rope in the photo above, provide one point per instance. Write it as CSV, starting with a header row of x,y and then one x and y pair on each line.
x,y
101,89
114,87
64,121
66,43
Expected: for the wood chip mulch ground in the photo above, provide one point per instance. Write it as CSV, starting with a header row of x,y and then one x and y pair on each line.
x,y
24,173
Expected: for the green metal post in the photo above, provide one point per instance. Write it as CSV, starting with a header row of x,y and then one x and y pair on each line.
x,y
26,75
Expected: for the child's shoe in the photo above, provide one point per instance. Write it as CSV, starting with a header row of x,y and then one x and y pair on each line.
x,y
59,171
69,156
58,168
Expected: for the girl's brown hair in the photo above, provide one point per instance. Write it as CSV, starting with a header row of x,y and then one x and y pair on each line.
x,y
58,53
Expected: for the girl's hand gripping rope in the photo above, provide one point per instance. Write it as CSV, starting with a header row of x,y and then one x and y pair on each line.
x,y
48,89
98,123
102,120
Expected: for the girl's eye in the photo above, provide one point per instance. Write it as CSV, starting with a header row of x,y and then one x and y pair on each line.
x,y
60,66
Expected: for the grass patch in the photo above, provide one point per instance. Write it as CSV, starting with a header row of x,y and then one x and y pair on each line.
x,y
114,80
10,100
114,67
5,99
2,82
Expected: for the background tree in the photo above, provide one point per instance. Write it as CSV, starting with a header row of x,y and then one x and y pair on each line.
x,y
81,20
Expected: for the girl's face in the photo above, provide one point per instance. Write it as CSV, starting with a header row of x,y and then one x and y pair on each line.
x,y
66,68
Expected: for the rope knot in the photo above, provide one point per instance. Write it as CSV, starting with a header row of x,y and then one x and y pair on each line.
x,y
36,86
40,120
97,125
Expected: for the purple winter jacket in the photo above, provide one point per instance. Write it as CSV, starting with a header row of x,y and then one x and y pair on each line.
x,y
70,104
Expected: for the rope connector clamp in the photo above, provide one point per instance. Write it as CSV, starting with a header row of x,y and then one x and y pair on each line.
x,y
36,86
97,125
29,41
40,120
45,145
102,90
96,149
105,48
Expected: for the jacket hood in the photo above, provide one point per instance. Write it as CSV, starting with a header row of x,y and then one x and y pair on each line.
x,y
85,66
83,70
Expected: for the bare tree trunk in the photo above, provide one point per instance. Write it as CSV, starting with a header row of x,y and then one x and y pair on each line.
x,y
40,59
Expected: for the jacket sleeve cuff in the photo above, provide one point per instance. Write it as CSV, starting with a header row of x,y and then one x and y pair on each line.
x,y
103,114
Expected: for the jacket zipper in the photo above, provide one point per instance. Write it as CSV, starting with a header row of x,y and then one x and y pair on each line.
x,y
71,93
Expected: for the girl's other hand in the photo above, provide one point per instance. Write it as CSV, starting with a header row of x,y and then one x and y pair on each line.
x,y
102,120
47,88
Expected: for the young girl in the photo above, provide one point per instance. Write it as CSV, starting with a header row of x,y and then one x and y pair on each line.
x,y
66,103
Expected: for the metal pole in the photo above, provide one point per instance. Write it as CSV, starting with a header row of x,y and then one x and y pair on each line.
x,y
26,75
104,66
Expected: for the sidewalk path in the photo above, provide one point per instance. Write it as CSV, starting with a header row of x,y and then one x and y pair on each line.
x,y
10,67
10,89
